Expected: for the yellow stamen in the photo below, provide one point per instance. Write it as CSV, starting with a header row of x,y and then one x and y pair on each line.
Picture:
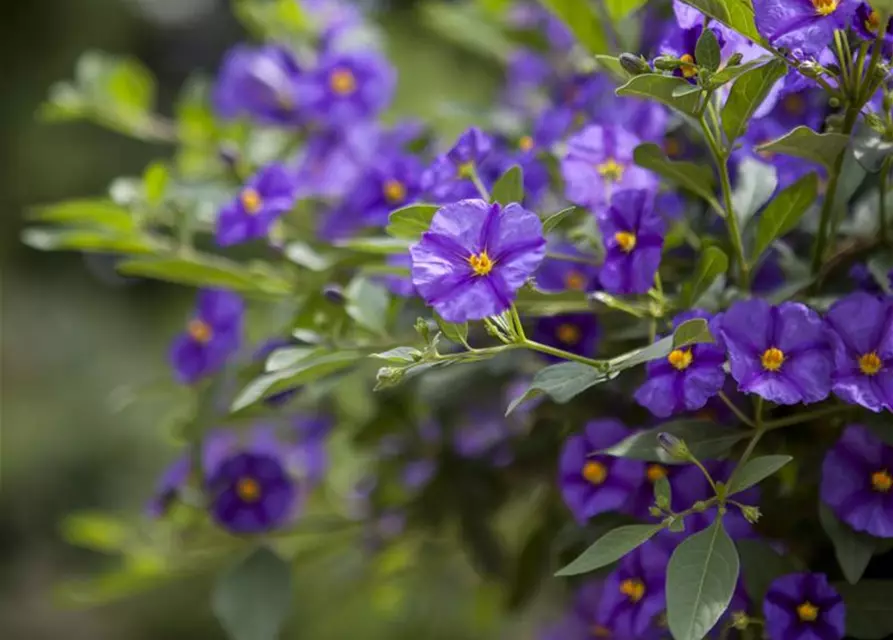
x,y
881,480
772,359
394,191
655,472
600,631
611,170
200,331
465,170
873,22
672,147
633,589
807,612
595,472
525,143
626,240
342,81
825,7
688,68
251,200
248,489
481,263
568,334
870,364
575,281
680,358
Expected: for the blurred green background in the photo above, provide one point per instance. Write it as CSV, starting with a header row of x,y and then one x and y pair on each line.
x,y
83,350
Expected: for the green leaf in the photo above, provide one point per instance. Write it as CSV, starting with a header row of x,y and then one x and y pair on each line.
x,y
853,549
610,547
713,263
287,357
376,245
730,73
155,181
367,304
205,271
880,265
612,66
761,565
694,331
701,579
582,20
735,14
252,598
510,187
757,470
805,143
784,212
707,52
89,213
704,439
95,530
555,220
619,9
653,86
411,221
561,382
399,355
304,255
696,178
457,333
87,240
754,186
662,490
869,608
305,371
748,93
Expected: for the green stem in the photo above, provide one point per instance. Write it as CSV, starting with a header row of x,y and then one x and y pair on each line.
x,y
476,181
760,430
738,412
882,208
805,417
518,327
564,355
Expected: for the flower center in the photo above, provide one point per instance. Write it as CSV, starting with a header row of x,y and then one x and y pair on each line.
x,y
873,21
568,333
611,170
655,472
688,67
825,7
881,480
342,81
870,364
525,143
680,358
394,191
248,489
251,200
575,281
481,263
772,359
600,631
807,612
672,147
466,169
626,240
595,472
633,588
200,331
795,105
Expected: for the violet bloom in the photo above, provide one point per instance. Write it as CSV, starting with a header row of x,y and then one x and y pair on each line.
x,y
346,87
857,478
261,83
574,332
212,335
486,436
689,486
803,606
633,234
862,339
399,285
635,592
865,281
686,378
681,44
449,176
471,262
803,26
598,163
593,484
780,353
267,195
332,161
866,24
556,275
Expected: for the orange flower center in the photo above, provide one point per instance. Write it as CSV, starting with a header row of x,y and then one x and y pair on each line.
x,y
672,147
873,21
342,81
633,589
825,7
688,67
248,489
595,472
525,143
680,358
394,191
655,472
251,200
481,263
610,170
600,631
568,333
626,240
200,331
575,281
807,612
772,359
466,169
881,480
870,364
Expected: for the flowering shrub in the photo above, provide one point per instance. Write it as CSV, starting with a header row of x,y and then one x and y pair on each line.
x,y
692,238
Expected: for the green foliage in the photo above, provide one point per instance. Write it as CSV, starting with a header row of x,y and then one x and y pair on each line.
x,y
457,333
803,142
557,220
207,271
696,178
755,471
707,51
411,221
853,549
748,93
869,609
367,304
610,548
583,21
762,566
735,14
784,212
701,437
561,382
510,187
663,89
712,264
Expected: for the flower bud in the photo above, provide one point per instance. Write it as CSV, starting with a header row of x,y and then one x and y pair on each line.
x,y
674,446
734,60
662,502
667,63
700,505
334,294
422,328
740,620
751,514
388,377
633,64
655,511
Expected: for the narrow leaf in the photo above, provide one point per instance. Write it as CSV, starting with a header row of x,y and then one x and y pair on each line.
x,y
784,212
748,93
704,439
657,87
457,333
90,213
730,73
757,470
554,221
204,271
510,187
707,52
853,549
803,142
610,547
696,178
411,221
367,304
713,263
562,382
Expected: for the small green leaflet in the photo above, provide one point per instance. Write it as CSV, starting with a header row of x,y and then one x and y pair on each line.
x,y
457,333
748,93
205,271
784,211
755,471
554,221
411,221
696,178
762,565
367,304
805,143
652,86
713,263
735,14
853,549
510,187
695,331
610,547
707,52
562,382
99,213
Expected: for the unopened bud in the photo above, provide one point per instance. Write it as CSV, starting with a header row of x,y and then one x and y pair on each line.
x,y
740,620
700,505
834,102
674,446
388,376
334,294
875,122
655,511
734,60
751,514
808,69
667,63
662,502
422,328
633,64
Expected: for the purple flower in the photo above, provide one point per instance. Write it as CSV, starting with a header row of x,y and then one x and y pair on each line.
x,y
689,486
866,24
862,339
803,606
593,484
346,87
779,353
448,177
574,332
332,161
864,280
803,26
686,379
556,275
634,593
169,487
599,162
212,335
399,285
633,234
681,43
259,82
265,197
485,437
474,258
857,477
